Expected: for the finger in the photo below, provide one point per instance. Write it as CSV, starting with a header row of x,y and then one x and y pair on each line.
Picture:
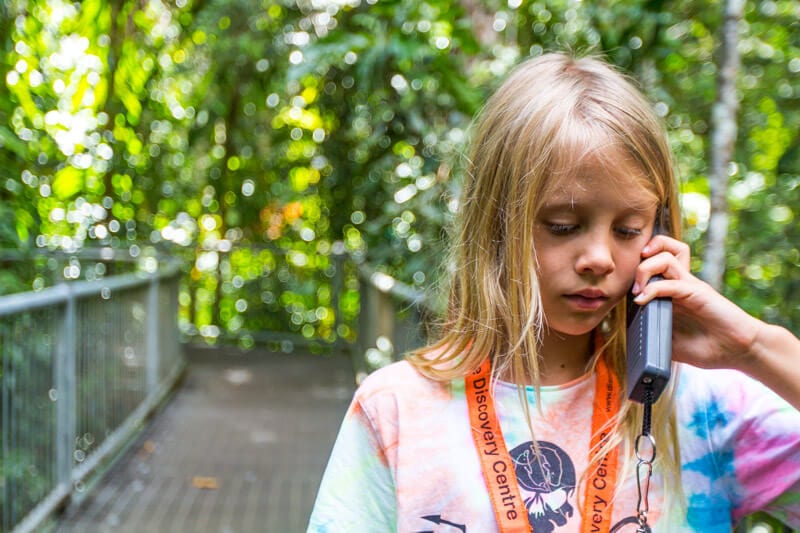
x,y
664,264
665,288
664,243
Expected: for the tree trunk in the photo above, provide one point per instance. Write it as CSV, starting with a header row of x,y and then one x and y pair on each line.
x,y
723,138
482,21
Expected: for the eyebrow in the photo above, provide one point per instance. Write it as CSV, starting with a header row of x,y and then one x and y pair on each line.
x,y
574,205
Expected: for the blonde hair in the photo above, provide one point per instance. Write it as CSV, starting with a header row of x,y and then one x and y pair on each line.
x,y
549,114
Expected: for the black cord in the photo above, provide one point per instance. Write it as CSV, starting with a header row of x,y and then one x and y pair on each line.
x,y
647,411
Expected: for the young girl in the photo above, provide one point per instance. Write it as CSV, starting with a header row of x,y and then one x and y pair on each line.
x,y
516,418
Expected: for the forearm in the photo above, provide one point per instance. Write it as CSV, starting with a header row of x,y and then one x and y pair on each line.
x,y
775,361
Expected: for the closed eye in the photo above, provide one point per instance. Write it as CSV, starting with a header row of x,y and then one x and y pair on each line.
x,y
628,233
562,229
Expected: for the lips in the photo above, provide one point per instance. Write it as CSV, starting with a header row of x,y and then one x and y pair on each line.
x,y
587,299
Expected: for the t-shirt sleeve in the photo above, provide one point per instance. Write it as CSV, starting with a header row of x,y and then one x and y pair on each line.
x,y
357,489
757,437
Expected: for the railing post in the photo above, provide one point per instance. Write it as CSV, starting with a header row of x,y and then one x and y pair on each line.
x,y
382,335
376,319
357,353
337,286
385,319
6,407
64,378
153,356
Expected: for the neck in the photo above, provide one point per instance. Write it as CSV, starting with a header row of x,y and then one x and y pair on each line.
x,y
564,357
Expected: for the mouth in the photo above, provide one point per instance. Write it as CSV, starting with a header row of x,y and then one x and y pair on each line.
x,y
587,299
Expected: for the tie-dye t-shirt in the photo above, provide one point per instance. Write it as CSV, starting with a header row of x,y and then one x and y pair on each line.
x,y
404,459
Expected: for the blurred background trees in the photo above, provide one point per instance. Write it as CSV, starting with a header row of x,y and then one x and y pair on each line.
x,y
259,140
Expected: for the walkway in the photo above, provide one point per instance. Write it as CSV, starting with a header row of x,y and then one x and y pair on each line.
x,y
240,448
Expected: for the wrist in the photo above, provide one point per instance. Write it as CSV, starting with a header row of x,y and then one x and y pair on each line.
x,y
774,360
760,356
756,350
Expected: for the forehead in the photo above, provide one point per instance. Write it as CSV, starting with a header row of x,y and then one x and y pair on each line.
x,y
611,178
602,168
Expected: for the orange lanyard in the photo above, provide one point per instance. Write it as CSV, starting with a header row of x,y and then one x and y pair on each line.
x,y
498,466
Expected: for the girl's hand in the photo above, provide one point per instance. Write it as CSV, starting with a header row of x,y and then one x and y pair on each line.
x,y
709,330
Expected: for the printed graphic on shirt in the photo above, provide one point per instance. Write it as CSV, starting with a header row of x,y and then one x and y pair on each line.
x,y
546,483
445,525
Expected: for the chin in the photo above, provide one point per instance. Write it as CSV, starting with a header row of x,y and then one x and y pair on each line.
x,y
576,328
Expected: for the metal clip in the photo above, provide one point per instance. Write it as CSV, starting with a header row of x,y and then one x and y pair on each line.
x,y
645,455
644,470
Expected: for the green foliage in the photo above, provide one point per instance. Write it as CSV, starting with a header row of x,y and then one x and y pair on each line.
x,y
258,141
298,128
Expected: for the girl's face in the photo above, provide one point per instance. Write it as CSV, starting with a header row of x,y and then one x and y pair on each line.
x,y
588,237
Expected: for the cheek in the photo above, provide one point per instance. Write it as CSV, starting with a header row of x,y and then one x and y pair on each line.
x,y
542,266
628,263
550,260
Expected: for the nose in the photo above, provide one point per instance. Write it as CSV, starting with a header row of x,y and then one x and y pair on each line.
x,y
596,257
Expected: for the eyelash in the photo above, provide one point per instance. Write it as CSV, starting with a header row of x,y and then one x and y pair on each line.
x,y
562,229
566,229
629,233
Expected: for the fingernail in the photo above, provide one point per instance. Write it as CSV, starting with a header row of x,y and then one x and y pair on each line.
x,y
635,289
639,298
646,248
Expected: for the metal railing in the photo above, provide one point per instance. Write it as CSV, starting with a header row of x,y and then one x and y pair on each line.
x,y
282,299
84,363
392,320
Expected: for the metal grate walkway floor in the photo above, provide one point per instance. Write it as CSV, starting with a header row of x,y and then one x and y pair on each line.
x,y
240,448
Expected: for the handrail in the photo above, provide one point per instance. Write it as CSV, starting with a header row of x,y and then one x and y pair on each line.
x,y
390,285
84,363
61,293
